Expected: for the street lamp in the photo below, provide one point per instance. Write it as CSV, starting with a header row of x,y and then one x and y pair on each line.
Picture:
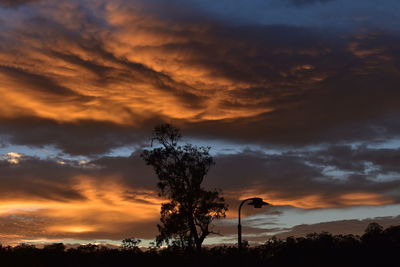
x,y
257,203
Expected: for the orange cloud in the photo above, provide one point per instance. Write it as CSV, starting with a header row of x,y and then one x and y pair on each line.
x,y
123,77
109,207
317,201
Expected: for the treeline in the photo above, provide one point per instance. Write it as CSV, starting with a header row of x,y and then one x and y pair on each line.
x,y
376,247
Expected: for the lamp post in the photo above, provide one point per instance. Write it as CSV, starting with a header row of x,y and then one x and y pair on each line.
x,y
257,203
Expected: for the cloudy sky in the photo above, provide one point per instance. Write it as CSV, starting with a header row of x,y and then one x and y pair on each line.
x,y
299,99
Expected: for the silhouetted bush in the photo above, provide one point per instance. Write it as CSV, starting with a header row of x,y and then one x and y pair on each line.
x,y
376,247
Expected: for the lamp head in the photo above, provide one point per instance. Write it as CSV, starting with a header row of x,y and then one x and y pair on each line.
x,y
257,203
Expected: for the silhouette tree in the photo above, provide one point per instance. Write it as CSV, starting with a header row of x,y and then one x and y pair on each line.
x,y
131,243
373,234
54,247
186,218
88,248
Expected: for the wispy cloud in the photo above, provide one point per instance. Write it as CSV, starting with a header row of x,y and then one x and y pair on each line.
x,y
126,66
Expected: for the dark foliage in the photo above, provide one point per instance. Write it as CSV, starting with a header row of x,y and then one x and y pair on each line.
x,y
377,247
186,219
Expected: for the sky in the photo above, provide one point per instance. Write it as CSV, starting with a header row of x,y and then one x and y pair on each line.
x,y
299,100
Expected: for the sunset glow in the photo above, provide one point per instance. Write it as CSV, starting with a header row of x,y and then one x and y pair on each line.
x,y
300,107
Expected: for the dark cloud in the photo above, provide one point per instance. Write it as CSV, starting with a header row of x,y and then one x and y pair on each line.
x,y
287,85
56,178
16,3
359,159
308,2
356,227
132,168
290,178
81,138
355,100
38,179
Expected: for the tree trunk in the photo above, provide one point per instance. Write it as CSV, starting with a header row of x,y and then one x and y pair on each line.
x,y
198,245
193,230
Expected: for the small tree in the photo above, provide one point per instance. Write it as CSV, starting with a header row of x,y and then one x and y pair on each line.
x,y
186,218
373,234
60,247
131,243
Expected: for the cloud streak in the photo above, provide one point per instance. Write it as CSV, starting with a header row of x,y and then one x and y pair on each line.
x,y
113,197
127,69
87,209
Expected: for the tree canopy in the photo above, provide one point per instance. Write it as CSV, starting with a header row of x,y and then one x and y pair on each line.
x,y
186,218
